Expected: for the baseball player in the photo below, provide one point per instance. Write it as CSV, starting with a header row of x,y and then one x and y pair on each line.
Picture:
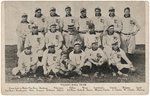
x,y
50,61
66,66
96,60
77,56
22,31
68,20
73,36
26,64
39,20
54,18
91,35
110,37
114,20
100,23
83,23
54,36
114,60
130,29
36,40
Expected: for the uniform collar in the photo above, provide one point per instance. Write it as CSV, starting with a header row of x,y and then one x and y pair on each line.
x,y
55,15
127,16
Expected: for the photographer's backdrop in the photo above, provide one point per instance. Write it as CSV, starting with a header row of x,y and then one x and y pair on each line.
x,y
14,9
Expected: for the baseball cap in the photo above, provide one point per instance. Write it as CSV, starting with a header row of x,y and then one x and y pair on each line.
x,y
67,7
36,9
97,8
52,9
82,10
24,15
111,8
77,43
28,47
34,26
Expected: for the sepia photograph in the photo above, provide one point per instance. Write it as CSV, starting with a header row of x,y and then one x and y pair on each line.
x,y
74,42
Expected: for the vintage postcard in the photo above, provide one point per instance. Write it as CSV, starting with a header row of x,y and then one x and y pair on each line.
x,y
74,47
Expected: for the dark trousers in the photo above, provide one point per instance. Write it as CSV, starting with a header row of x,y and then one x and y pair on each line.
x,y
115,69
39,71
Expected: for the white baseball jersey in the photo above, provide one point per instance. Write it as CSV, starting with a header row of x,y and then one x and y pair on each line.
x,y
27,60
89,38
40,22
54,20
129,25
77,59
53,38
23,30
108,40
99,22
69,21
116,21
97,56
83,24
36,41
50,61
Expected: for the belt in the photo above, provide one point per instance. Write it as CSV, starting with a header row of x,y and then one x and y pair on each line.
x,y
126,33
81,32
65,31
101,31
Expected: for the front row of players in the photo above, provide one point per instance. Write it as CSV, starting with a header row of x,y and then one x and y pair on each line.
x,y
75,60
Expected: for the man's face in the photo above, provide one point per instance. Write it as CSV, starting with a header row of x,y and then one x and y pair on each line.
x,y
52,12
115,47
34,30
24,18
51,49
77,48
53,28
111,13
38,13
71,31
68,11
83,13
97,12
110,31
28,51
92,30
127,12
94,46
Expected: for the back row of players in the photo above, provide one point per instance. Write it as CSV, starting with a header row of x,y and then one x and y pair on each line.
x,y
62,46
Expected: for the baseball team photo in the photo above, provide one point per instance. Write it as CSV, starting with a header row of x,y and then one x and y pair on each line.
x,y
75,41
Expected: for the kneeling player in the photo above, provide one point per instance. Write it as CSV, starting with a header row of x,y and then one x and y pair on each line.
x,y
51,61
26,64
96,62
114,59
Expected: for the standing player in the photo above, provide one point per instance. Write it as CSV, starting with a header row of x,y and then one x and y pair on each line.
x,y
83,24
100,23
130,29
54,36
54,18
68,20
39,20
114,20
36,40
22,31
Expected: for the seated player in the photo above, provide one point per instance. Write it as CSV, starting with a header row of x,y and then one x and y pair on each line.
x,y
114,59
54,36
73,36
26,63
66,66
96,62
77,56
51,61
110,37
90,36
